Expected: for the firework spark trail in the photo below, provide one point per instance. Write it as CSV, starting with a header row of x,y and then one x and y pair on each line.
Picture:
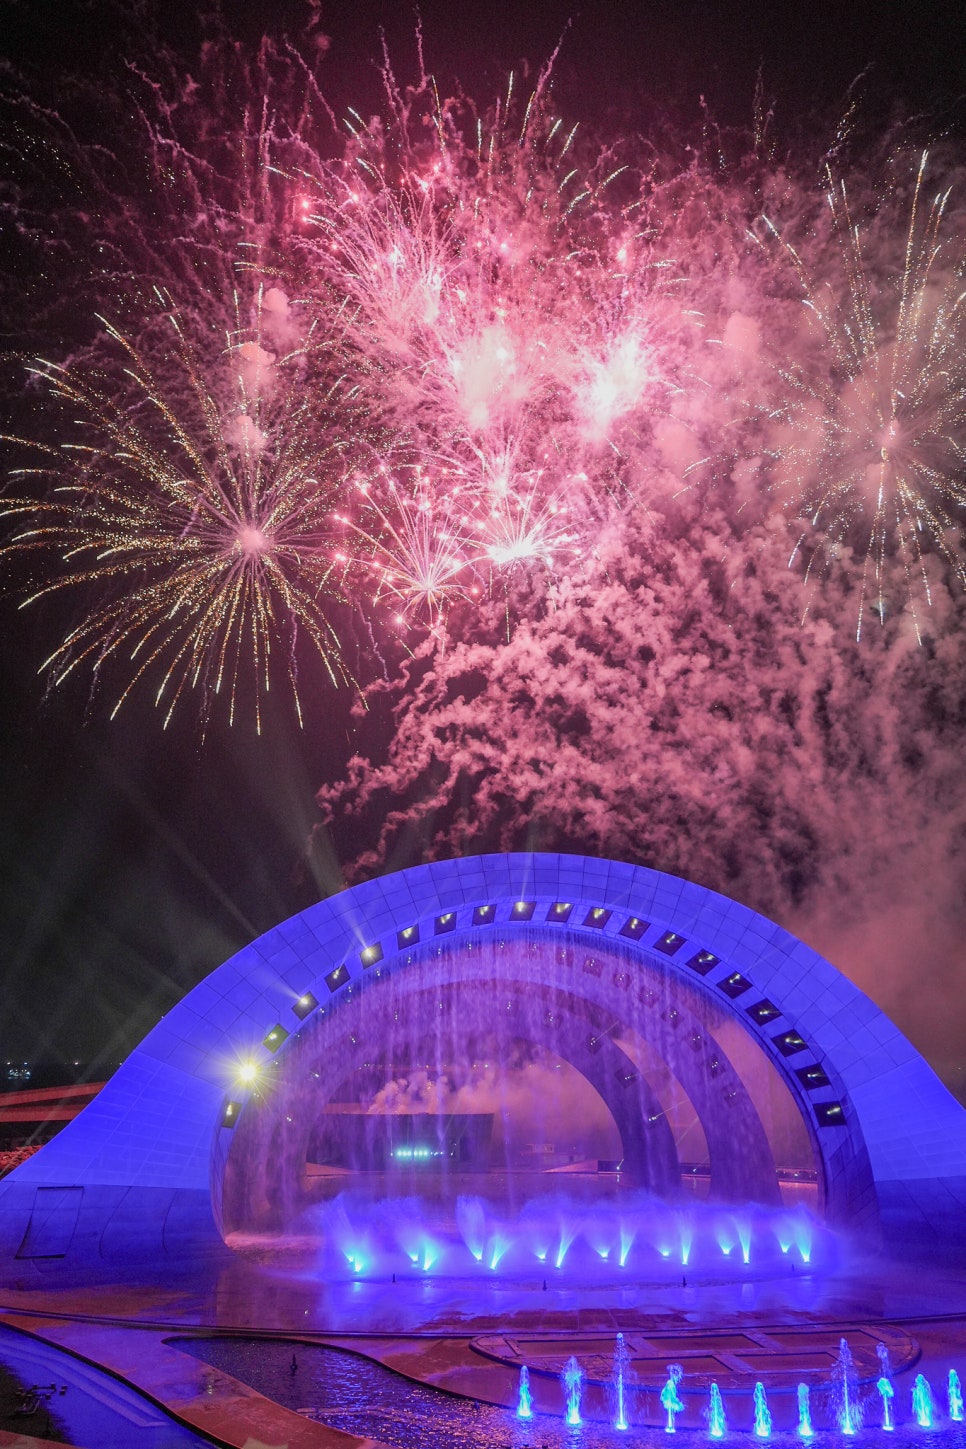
x,y
410,542
885,473
401,374
480,309
205,539
471,311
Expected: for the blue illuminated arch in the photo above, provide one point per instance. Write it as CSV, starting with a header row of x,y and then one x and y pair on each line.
x,y
146,1160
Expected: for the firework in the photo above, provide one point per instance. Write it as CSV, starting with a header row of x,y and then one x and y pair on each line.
x,y
877,445
406,541
480,347
485,304
200,532
438,364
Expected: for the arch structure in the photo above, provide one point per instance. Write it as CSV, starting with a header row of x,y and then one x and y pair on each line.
x,y
633,978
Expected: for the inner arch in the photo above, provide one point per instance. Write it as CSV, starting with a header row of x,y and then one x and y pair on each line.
x,y
642,1039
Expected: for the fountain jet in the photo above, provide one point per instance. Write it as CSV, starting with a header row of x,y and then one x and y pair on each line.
x,y
716,1414
670,1398
573,1379
762,1413
622,1364
525,1398
923,1405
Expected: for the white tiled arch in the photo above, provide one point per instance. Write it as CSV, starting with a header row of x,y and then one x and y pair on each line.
x,y
155,1128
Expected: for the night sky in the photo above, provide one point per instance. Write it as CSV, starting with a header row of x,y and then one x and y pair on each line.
x,y
134,859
